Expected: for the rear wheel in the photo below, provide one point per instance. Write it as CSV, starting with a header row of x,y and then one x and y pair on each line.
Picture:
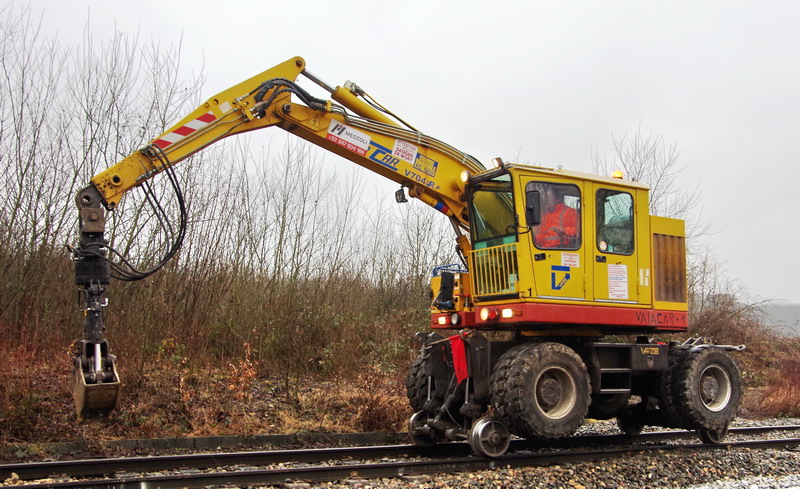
x,y
666,387
706,389
541,390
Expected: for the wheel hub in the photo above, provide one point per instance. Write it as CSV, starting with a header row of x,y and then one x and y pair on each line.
x,y
555,392
549,393
709,388
715,388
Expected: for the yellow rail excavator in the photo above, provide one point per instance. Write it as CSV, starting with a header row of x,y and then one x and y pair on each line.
x,y
556,259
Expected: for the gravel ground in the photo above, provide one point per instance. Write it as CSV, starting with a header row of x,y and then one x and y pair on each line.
x,y
719,469
684,468
732,469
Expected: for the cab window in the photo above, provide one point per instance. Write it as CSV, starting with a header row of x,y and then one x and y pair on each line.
x,y
614,222
560,225
493,221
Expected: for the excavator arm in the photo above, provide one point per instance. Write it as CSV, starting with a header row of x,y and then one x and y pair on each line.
x,y
351,124
347,125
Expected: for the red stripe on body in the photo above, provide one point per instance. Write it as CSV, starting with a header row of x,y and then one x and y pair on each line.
x,y
605,317
207,117
183,131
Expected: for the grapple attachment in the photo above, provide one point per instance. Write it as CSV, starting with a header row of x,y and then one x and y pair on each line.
x,y
95,382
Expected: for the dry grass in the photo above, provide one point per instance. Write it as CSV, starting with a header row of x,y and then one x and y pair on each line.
x,y
781,393
173,398
370,402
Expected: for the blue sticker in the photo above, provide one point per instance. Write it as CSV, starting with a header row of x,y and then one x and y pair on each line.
x,y
554,277
383,156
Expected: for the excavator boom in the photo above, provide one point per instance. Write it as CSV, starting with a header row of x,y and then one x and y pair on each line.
x,y
350,124
347,125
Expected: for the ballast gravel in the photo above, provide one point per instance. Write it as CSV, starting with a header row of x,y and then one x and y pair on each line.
x,y
729,469
715,469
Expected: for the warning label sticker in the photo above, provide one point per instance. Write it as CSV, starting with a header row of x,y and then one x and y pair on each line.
x,y
617,281
404,150
572,260
426,165
347,137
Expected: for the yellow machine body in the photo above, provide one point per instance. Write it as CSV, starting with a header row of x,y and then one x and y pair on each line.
x,y
625,270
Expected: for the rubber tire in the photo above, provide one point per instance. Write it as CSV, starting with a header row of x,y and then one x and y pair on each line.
x,y
417,384
513,383
686,389
666,400
607,406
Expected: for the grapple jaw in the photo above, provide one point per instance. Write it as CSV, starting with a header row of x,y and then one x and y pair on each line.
x,y
95,390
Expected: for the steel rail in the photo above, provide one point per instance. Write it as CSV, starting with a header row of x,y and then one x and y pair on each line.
x,y
391,469
109,466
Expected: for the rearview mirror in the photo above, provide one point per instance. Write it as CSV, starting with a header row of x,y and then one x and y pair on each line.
x,y
533,208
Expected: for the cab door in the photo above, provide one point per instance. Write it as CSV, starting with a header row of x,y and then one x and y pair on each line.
x,y
614,250
557,241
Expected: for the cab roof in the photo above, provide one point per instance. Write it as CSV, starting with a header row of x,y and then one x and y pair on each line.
x,y
560,172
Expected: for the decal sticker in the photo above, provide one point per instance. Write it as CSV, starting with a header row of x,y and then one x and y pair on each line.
x,y
558,280
603,246
225,107
347,137
404,150
617,281
653,318
383,156
426,165
176,135
572,260
420,179
644,277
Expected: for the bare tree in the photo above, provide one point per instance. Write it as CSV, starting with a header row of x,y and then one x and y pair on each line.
x,y
648,159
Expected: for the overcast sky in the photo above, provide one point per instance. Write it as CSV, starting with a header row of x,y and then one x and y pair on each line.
x,y
539,82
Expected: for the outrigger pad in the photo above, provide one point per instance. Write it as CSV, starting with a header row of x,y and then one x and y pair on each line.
x,y
94,400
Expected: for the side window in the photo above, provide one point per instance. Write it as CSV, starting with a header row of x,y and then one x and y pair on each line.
x,y
614,222
560,226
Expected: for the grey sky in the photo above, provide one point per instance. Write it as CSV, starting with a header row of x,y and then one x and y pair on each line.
x,y
539,82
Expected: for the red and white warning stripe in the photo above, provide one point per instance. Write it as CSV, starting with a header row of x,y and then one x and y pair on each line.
x,y
183,131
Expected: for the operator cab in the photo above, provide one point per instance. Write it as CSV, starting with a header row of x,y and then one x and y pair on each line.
x,y
560,247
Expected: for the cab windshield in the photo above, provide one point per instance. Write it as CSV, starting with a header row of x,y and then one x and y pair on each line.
x,y
492,213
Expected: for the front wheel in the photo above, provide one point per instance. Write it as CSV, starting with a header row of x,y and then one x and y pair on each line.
x,y
541,390
417,384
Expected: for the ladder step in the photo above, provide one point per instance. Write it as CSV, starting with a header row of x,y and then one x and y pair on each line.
x,y
614,391
615,370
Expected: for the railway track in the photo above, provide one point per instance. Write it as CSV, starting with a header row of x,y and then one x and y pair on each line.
x,y
318,465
